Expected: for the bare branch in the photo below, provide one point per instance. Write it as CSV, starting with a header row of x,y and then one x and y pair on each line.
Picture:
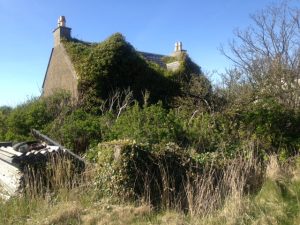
x,y
268,51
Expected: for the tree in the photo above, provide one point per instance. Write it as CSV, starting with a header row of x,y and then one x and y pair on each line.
x,y
266,54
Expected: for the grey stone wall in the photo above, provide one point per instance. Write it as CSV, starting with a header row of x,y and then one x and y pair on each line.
x,y
61,33
60,73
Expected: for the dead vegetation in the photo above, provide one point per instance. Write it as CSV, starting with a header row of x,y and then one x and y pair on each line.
x,y
212,198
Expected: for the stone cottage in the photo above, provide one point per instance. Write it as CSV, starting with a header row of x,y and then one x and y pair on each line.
x,y
61,74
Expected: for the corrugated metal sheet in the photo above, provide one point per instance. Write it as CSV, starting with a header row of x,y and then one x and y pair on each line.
x,y
13,160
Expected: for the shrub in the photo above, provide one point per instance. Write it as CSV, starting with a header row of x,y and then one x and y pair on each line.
x,y
137,171
150,124
4,112
30,115
36,113
266,124
202,133
273,124
78,130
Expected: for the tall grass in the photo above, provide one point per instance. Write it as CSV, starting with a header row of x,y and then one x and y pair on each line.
x,y
202,191
244,191
59,172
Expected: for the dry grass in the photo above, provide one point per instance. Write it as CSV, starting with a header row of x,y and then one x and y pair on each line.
x,y
115,214
64,213
273,170
59,172
208,192
96,213
215,197
277,202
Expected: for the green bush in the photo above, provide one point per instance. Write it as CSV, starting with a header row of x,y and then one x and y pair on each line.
x,y
273,124
128,170
269,126
202,133
36,113
149,124
30,115
4,113
79,130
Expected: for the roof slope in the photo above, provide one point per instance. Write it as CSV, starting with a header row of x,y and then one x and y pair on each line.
x,y
156,58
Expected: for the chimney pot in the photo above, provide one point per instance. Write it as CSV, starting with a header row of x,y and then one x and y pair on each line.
x,y
180,46
61,21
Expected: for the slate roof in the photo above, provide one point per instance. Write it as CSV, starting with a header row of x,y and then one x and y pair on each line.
x,y
156,58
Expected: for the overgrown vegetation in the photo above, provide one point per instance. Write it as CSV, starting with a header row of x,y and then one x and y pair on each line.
x,y
168,147
114,65
209,201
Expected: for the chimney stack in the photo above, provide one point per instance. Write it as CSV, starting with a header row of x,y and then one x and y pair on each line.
x,y
178,49
61,32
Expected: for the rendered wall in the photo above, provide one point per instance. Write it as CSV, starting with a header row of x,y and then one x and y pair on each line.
x,y
60,73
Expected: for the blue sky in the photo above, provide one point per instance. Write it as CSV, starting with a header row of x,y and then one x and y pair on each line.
x,y
153,26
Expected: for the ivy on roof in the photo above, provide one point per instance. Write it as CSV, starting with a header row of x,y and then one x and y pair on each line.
x,y
115,65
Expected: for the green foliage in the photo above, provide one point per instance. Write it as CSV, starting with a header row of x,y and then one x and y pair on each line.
x,y
266,125
36,113
202,132
59,103
115,65
196,89
197,95
186,69
4,112
200,86
31,115
78,130
163,147
113,178
169,59
151,124
276,126
278,199
129,170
